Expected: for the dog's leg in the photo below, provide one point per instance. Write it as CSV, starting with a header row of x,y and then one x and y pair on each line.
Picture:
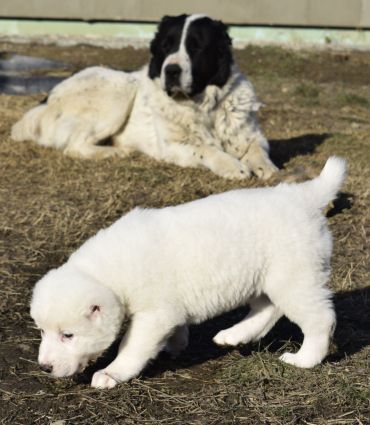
x,y
208,156
178,341
258,160
95,151
145,338
311,308
256,325
317,331
85,145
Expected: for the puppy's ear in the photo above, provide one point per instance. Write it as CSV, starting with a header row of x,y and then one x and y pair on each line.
x,y
225,58
94,312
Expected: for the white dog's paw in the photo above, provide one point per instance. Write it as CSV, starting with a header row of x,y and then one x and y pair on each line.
x,y
102,380
298,360
228,337
261,166
235,170
229,168
266,171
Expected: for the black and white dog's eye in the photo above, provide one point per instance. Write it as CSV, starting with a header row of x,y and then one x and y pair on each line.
x,y
68,336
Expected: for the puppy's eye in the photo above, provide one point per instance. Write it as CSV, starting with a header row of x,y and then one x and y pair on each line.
x,y
67,336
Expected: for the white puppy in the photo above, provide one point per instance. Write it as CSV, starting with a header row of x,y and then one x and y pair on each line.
x,y
167,268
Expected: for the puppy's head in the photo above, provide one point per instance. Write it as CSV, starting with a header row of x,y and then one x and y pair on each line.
x,y
190,52
78,318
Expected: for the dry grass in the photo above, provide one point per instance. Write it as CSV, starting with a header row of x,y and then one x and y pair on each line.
x,y
317,105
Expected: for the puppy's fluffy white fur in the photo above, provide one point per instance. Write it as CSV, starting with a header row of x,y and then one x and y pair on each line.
x,y
167,268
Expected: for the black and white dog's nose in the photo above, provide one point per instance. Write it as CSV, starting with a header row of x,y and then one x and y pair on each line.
x,y
173,72
48,368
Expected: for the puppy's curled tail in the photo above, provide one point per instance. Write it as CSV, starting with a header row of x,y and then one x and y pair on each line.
x,y
324,188
28,127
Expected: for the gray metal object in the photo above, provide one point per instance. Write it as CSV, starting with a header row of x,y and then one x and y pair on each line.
x,y
322,13
13,62
27,85
16,74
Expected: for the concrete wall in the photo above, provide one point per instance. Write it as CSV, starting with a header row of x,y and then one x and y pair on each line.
x,y
320,13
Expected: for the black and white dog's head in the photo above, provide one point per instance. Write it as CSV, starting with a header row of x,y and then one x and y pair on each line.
x,y
190,52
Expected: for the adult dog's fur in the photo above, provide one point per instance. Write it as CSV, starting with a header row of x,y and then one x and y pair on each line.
x,y
167,268
190,106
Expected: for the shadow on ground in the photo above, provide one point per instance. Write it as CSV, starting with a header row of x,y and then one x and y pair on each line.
x,y
344,201
351,336
283,150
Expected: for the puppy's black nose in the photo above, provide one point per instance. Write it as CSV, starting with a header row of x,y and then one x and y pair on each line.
x,y
173,71
48,368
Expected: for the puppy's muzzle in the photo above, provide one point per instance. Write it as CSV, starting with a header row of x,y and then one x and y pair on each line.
x,y
172,74
48,368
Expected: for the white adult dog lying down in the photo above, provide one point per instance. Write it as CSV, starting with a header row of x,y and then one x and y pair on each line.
x,y
167,268
190,106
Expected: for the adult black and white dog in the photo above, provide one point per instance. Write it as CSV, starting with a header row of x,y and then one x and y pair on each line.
x,y
190,106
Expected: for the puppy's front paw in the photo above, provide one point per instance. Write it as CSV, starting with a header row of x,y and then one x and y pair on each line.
x,y
102,380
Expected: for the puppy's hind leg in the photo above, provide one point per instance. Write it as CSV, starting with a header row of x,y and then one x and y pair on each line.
x,y
256,325
310,307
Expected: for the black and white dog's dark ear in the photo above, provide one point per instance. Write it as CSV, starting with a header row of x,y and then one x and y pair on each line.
x,y
160,45
154,45
225,57
155,51
154,65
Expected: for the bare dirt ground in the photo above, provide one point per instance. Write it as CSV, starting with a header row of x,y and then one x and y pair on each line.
x,y
317,105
